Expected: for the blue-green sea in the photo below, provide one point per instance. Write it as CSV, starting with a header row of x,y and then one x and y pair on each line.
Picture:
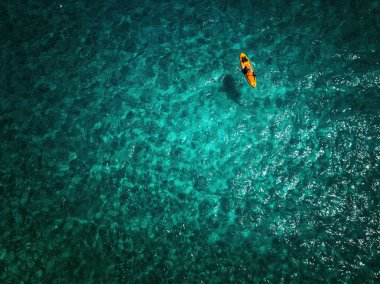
x,y
132,150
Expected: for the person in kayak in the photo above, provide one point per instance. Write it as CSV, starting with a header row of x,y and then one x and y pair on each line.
x,y
245,70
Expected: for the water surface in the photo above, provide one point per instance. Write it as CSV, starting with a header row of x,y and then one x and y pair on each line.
x,y
133,152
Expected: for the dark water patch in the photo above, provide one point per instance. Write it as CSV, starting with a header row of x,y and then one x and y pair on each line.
x,y
229,86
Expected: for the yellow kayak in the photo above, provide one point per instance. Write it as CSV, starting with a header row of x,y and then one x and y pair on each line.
x,y
250,74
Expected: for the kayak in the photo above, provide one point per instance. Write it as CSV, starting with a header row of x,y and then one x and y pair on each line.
x,y
251,75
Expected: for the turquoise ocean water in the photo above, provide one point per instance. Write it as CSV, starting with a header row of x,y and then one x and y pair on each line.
x,y
133,152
